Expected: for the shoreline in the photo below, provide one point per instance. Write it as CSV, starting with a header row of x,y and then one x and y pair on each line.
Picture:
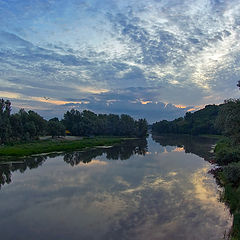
x,y
227,176
40,147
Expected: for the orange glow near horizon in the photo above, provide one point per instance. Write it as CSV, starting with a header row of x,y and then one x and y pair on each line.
x,y
55,101
180,106
145,102
9,95
191,109
12,95
179,149
196,108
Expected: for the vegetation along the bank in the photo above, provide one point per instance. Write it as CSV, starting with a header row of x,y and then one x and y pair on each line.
x,y
199,122
20,132
55,145
228,157
223,119
28,126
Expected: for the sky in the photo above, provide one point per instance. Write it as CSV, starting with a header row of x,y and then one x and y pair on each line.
x,y
153,59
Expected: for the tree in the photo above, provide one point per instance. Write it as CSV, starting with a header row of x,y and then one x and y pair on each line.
x,y
228,119
199,122
39,122
56,128
30,130
142,128
5,126
88,123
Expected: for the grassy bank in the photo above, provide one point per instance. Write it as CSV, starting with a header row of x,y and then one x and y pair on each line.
x,y
228,157
55,145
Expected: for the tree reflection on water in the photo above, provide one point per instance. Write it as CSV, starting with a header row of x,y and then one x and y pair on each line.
x,y
200,146
122,151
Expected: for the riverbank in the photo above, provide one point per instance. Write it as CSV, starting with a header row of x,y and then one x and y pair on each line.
x,y
55,145
228,158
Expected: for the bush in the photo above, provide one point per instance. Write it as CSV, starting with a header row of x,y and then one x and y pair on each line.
x,y
232,173
226,152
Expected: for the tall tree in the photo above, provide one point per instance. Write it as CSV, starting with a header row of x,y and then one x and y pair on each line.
x,y
5,125
56,128
229,119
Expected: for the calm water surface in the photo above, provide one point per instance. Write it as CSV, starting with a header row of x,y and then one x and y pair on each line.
x,y
144,190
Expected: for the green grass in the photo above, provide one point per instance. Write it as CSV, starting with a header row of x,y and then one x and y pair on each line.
x,y
47,146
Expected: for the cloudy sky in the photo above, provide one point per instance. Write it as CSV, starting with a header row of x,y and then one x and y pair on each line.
x,y
149,58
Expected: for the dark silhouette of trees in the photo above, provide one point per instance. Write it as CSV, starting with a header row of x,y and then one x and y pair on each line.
x,y
55,128
5,126
228,119
199,122
87,123
26,126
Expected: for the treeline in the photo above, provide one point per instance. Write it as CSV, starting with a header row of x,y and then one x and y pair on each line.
x,y
29,125
19,126
199,122
87,123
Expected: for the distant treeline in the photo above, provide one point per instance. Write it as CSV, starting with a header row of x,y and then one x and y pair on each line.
x,y
87,123
29,125
199,122
213,119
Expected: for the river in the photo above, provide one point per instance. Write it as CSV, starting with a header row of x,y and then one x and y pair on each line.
x,y
154,189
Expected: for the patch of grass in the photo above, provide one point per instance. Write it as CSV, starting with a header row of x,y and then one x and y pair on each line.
x,y
47,146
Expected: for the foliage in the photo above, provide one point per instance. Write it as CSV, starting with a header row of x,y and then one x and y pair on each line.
x,y
55,128
199,122
226,152
230,177
229,119
5,127
28,126
232,174
87,123
19,126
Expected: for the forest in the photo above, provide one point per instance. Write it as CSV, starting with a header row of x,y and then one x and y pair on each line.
x,y
196,123
29,125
